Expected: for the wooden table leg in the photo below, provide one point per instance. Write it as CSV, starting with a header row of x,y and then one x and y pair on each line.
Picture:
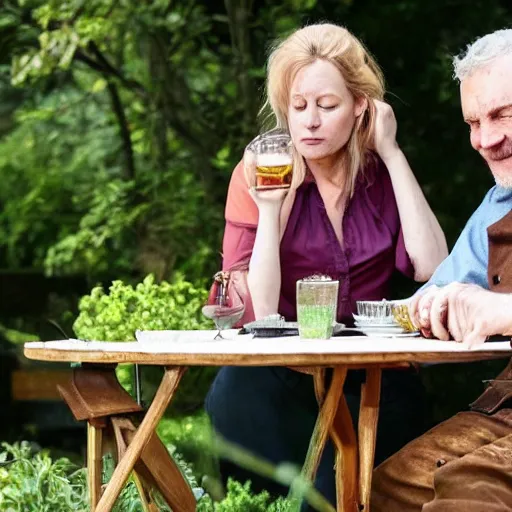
x,y
368,417
345,442
319,383
343,436
323,424
163,396
94,461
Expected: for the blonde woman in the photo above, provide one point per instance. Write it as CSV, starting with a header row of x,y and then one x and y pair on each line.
x,y
355,212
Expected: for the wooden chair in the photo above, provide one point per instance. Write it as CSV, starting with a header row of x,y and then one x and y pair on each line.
x,y
95,395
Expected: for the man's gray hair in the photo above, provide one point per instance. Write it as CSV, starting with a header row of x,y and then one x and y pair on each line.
x,y
482,51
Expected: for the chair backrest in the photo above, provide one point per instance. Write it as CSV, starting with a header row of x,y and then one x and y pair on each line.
x,y
95,392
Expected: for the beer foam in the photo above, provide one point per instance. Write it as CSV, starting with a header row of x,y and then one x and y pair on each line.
x,y
273,159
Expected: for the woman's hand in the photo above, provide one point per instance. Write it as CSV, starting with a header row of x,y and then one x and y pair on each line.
x,y
385,131
268,200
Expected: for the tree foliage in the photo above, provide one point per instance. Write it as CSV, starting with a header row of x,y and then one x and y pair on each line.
x,y
133,117
124,119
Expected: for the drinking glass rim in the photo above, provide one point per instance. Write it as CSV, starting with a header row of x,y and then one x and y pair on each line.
x,y
274,134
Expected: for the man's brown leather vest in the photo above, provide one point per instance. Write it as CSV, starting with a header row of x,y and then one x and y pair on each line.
x,y
499,275
499,270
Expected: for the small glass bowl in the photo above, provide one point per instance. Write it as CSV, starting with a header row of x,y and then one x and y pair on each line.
x,y
377,309
374,320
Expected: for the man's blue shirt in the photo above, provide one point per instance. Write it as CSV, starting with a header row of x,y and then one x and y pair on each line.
x,y
467,263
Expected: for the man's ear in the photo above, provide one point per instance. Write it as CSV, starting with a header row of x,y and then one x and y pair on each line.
x,y
360,106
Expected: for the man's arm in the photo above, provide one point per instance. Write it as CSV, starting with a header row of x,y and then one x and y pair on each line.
x,y
467,262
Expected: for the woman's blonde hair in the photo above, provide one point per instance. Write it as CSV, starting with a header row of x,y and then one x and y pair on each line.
x,y
363,77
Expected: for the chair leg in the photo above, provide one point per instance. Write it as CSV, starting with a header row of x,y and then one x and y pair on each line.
x,y
159,471
148,505
94,462
126,464
121,426
156,469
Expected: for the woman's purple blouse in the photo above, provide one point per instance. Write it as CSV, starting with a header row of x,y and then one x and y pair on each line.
x,y
373,245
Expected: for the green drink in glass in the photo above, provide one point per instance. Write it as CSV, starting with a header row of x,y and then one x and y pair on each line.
x,y
317,304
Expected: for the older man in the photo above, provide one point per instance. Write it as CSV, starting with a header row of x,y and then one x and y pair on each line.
x,y
465,463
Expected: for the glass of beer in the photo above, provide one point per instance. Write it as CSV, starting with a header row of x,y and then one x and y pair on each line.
x,y
274,159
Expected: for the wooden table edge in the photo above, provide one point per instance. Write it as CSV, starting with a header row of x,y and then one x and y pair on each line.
x,y
296,359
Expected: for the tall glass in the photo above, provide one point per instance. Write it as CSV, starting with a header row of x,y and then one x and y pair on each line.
x,y
317,306
274,159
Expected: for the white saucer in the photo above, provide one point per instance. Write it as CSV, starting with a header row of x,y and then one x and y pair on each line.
x,y
384,334
380,327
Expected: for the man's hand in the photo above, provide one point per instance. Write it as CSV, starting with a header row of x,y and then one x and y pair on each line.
x,y
419,310
475,313
466,312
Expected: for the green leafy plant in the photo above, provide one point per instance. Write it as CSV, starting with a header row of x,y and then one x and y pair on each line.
x,y
36,483
240,499
116,315
193,435
147,306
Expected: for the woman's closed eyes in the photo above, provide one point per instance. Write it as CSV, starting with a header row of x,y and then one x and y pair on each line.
x,y
302,106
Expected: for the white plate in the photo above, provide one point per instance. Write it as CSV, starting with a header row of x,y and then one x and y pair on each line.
x,y
390,334
394,327
381,330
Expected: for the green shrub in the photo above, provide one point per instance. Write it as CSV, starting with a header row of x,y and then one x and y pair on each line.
x,y
193,437
147,306
36,483
117,314
240,499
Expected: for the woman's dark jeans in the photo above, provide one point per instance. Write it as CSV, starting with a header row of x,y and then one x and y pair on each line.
x,y
271,411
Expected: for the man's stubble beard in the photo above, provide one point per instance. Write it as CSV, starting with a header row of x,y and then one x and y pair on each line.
x,y
503,177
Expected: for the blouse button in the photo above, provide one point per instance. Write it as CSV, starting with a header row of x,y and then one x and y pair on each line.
x,y
496,279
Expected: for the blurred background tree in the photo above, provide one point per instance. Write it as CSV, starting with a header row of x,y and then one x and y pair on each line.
x,y
122,120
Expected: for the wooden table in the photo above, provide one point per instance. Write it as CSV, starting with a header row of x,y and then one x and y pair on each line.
x,y
176,350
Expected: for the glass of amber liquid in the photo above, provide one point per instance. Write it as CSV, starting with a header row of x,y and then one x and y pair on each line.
x,y
274,159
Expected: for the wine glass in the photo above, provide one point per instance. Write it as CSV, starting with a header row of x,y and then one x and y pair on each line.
x,y
223,316
224,308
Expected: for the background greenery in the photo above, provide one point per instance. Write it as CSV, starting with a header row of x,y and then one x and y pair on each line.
x,y
120,123
122,120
